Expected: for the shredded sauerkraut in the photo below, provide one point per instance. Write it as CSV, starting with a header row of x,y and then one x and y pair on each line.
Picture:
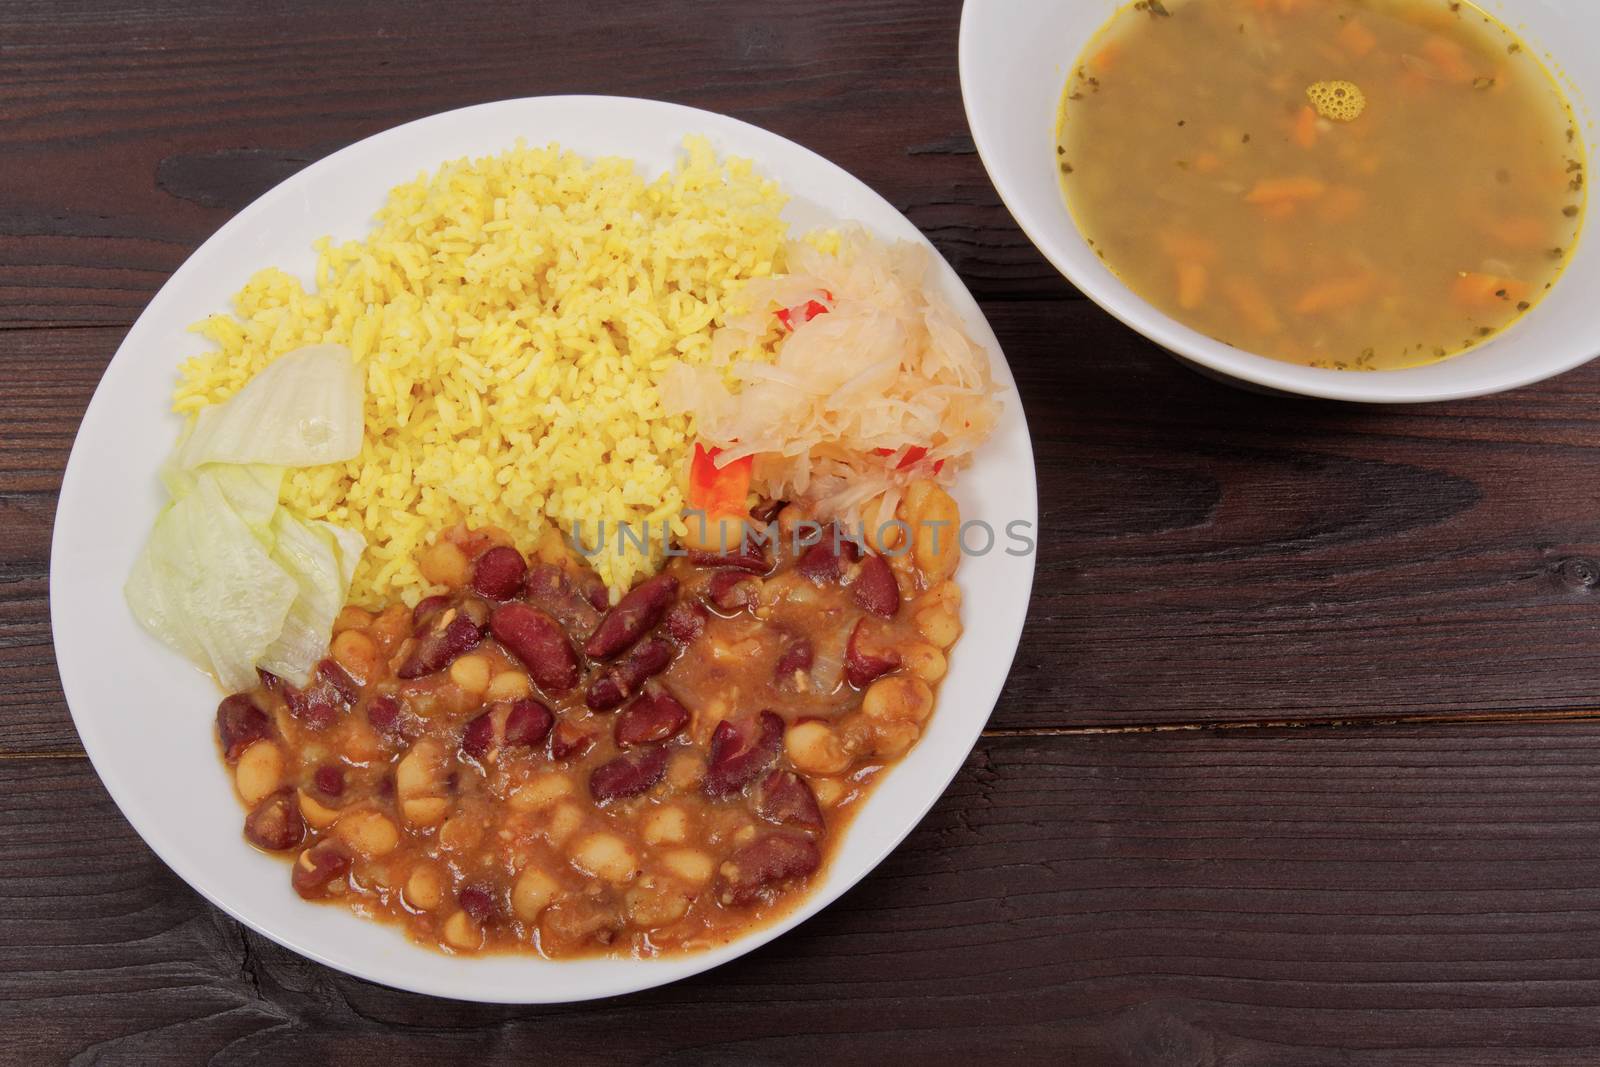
x,y
877,386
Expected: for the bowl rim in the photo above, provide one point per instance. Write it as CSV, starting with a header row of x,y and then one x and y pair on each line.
x,y
1188,345
77,515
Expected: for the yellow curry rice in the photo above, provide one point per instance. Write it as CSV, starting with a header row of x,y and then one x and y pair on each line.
x,y
514,315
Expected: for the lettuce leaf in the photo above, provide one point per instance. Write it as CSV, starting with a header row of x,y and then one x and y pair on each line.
x,y
229,577
303,409
321,558
251,489
207,586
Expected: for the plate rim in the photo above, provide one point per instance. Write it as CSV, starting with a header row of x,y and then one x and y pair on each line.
x,y
642,973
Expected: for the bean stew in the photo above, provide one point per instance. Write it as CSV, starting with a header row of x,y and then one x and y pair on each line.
x,y
517,765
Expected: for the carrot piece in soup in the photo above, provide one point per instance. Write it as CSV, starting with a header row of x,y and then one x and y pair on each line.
x,y
1413,81
1474,290
1449,58
1305,128
1252,305
1290,190
1518,231
1339,294
1356,39
1192,279
1181,245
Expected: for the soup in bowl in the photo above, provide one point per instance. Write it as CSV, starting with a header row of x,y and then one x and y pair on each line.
x,y
1289,192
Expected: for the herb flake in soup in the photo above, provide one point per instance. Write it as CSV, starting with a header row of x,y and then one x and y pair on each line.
x,y
1353,184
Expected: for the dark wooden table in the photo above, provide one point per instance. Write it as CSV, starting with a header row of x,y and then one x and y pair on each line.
x,y
1298,763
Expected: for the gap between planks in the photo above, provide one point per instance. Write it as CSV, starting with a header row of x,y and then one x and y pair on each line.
x,y
1476,718
1487,718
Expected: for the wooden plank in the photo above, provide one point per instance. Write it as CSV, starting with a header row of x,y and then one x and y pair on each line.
x,y
108,186
1214,554
1373,896
1206,554
49,376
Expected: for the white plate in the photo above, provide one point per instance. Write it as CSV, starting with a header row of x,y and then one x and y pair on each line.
x,y
147,718
1015,56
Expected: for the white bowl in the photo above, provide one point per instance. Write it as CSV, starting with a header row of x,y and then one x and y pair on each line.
x,y
147,718
1015,57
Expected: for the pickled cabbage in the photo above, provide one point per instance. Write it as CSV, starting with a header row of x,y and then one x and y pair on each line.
x,y
877,385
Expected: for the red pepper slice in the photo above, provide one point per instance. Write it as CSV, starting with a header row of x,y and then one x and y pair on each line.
x,y
789,318
718,490
914,454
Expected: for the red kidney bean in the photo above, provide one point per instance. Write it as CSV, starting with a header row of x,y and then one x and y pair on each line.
x,y
427,609
339,679
478,738
875,588
314,706
384,714
552,590
527,723
498,573
784,797
747,557
818,563
318,867
765,862
628,775
635,613
686,621
328,780
732,591
477,901
825,561
442,642
567,740
240,724
652,717
275,824
861,666
330,692
595,591
739,753
796,658
604,693
269,681
522,724
539,642
622,679
476,610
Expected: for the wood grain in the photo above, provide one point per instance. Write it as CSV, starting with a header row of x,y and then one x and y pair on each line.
x,y
1373,896
1376,893
106,186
